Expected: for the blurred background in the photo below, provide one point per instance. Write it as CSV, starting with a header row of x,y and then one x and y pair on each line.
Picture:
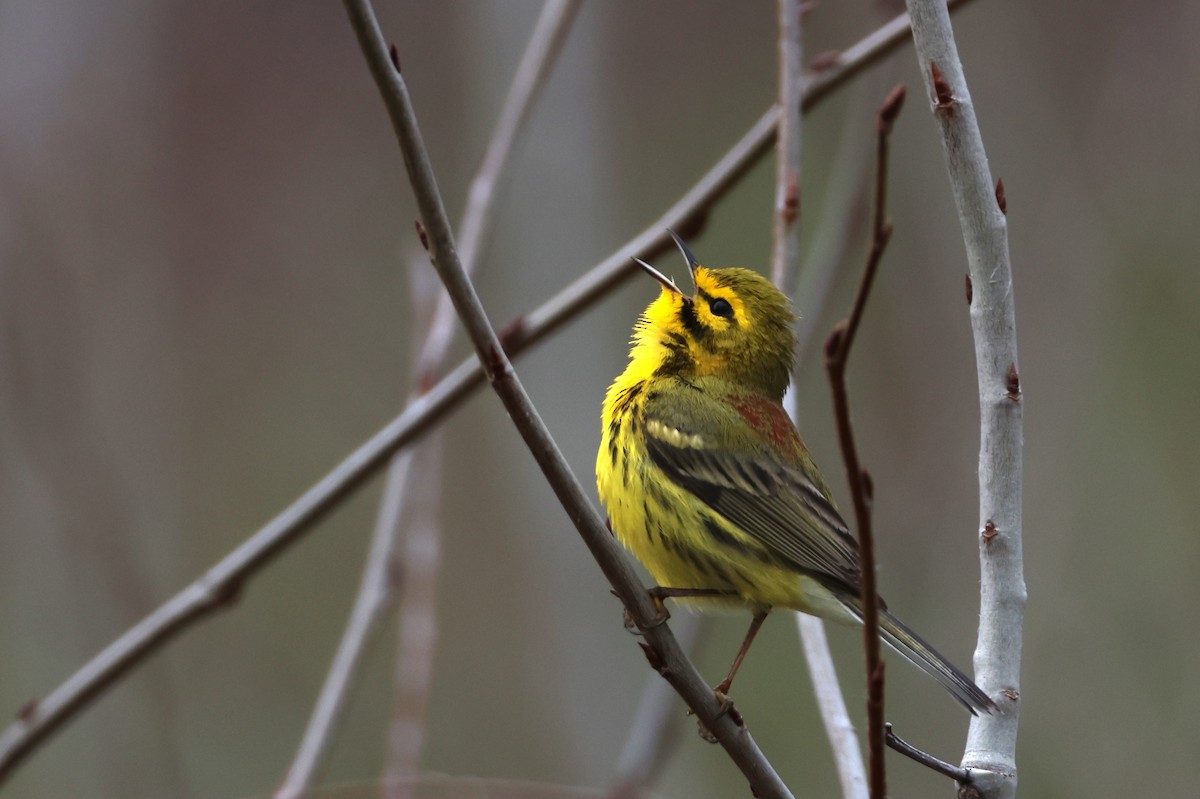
x,y
206,242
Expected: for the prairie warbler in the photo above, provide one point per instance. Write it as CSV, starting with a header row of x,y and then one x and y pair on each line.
x,y
707,481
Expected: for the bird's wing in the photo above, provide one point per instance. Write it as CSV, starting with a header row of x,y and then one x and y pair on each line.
x,y
759,493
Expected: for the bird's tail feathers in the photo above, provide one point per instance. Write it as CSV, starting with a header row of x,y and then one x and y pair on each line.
x,y
899,637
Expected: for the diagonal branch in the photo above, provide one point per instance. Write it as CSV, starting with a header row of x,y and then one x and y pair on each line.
x,y
377,587
723,724
992,740
216,588
837,351
545,43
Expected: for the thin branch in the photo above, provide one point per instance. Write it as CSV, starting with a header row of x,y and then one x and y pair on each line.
x,y
545,43
960,775
847,754
413,670
785,250
375,592
785,271
838,210
720,720
216,588
837,351
992,740
376,588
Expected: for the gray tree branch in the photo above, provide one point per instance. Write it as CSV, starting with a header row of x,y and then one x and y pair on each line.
x,y
991,742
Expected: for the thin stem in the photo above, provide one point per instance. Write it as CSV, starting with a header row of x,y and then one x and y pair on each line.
x,y
214,589
992,739
377,588
724,725
785,251
837,352
374,593
785,271
847,754
413,670
545,43
959,775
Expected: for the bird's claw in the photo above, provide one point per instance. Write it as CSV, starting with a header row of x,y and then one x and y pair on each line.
x,y
661,614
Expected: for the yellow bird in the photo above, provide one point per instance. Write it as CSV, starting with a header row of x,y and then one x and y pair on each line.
x,y
707,481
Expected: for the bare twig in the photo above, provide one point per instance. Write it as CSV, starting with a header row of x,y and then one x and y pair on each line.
x,y
992,739
422,545
374,593
847,754
785,271
413,671
717,718
216,588
785,250
838,213
959,775
545,43
837,350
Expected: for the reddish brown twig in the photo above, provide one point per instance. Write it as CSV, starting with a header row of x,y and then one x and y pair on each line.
x,y
837,351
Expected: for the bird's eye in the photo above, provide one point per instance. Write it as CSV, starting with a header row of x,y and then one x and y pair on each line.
x,y
721,307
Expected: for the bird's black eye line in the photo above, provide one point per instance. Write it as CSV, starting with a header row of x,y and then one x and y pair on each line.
x,y
721,307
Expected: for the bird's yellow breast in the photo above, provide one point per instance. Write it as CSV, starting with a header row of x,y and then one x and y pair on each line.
x,y
682,542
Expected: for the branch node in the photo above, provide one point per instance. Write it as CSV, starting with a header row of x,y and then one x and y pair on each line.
x,y
654,658
833,344
825,60
29,709
943,98
868,485
890,109
394,55
1001,200
970,289
791,200
224,594
1012,384
511,336
1012,693
422,234
989,532
497,366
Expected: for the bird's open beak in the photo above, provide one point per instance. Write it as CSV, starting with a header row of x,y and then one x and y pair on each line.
x,y
668,283
692,263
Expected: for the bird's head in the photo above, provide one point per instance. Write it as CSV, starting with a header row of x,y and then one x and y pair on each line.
x,y
735,325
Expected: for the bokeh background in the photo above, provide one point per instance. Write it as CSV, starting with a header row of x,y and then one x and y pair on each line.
x,y
205,302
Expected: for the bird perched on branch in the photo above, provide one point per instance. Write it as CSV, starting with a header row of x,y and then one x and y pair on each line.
x,y
707,481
